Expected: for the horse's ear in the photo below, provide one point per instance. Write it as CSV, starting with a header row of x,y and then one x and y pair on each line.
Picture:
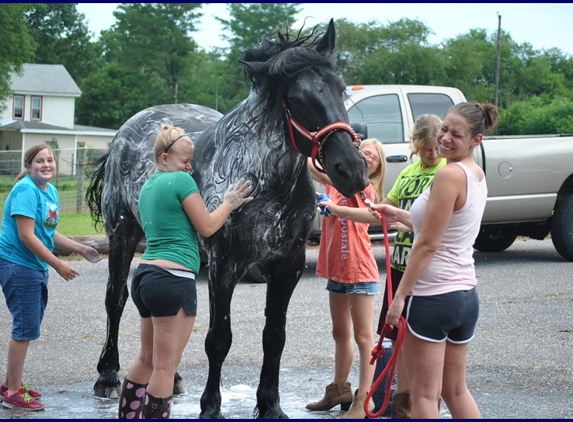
x,y
326,44
254,67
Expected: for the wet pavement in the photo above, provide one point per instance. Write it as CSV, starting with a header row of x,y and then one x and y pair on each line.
x,y
519,364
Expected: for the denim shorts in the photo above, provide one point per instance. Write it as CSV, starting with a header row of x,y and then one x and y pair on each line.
x,y
367,288
26,293
452,316
158,292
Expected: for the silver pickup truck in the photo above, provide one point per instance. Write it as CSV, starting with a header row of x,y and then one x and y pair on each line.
x,y
529,178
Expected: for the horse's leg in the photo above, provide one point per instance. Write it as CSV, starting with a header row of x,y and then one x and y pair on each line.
x,y
219,338
122,244
279,292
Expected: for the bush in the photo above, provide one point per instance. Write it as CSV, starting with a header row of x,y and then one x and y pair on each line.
x,y
537,117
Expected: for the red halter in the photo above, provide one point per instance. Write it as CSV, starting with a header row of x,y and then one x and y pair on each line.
x,y
319,137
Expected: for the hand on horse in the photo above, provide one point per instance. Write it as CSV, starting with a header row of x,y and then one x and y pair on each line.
x,y
237,195
91,255
66,270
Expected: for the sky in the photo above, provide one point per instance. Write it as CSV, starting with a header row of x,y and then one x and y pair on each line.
x,y
542,25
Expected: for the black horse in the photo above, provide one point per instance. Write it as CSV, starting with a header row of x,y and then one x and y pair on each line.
x,y
295,110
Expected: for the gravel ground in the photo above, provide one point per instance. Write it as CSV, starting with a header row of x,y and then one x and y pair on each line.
x,y
519,364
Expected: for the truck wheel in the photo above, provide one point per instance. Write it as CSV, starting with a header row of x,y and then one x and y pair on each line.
x,y
494,240
562,227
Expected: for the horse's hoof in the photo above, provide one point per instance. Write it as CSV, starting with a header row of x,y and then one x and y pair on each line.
x,y
108,385
272,413
106,391
178,387
211,415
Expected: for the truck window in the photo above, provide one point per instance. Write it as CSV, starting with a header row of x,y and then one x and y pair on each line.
x,y
383,116
437,104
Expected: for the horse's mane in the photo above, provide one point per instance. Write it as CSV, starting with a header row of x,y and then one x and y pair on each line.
x,y
280,60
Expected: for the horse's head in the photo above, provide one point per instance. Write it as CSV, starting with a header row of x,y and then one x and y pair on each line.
x,y
297,85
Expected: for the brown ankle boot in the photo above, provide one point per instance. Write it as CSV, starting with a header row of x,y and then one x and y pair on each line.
x,y
339,393
356,411
401,406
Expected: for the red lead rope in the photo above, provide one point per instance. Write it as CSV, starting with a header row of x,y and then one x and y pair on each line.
x,y
378,350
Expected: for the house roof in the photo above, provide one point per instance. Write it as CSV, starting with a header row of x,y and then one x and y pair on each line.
x,y
52,79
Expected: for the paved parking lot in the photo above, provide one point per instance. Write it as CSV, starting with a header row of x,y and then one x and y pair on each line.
x,y
519,364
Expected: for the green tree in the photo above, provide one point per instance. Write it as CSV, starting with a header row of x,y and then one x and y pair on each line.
x,y
62,36
470,65
537,116
204,82
17,46
398,53
153,38
113,94
249,22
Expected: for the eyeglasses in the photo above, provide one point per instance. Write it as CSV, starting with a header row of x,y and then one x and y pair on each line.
x,y
173,141
368,154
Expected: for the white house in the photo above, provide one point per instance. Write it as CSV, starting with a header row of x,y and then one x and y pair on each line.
x,y
41,109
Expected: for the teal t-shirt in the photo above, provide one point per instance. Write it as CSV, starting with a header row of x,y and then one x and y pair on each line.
x,y
168,231
409,185
43,206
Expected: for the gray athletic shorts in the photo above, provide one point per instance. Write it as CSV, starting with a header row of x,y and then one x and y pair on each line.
x,y
452,316
159,292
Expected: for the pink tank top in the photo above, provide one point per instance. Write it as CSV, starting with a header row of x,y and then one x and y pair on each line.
x,y
452,267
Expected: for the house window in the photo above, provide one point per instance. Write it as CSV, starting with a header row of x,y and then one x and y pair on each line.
x,y
18,107
52,143
36,108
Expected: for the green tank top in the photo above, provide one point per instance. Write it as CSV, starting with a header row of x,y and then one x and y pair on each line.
x,y
169,232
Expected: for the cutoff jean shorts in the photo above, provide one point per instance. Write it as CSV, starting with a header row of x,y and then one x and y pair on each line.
x,y
26,293
367,288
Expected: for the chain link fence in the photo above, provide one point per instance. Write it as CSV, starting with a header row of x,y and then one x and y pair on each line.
x,y
73,166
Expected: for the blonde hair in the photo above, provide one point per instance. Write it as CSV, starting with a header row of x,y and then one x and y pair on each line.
x,y
29,156
426,127
377,178
167,140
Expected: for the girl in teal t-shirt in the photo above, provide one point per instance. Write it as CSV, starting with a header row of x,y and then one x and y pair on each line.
x,y
31,215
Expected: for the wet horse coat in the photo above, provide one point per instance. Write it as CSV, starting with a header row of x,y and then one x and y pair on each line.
x,y
293,85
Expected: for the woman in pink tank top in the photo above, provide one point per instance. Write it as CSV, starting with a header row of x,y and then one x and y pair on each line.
x,y
437,290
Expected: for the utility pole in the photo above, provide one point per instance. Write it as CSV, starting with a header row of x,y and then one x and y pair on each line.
x,y
498,58
217,97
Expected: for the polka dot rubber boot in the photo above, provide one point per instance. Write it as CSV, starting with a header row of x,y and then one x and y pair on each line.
x,y
131,400
157,408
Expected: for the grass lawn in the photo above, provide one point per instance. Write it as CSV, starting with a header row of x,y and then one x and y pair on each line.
x,y
71,222
77,224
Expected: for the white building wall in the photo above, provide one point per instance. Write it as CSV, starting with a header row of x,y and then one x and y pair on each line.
x,y
58,110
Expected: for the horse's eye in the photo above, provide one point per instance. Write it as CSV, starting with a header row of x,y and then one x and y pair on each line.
x,y
294,102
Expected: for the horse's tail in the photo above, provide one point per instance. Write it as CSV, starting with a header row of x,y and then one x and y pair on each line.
x,y
94,191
